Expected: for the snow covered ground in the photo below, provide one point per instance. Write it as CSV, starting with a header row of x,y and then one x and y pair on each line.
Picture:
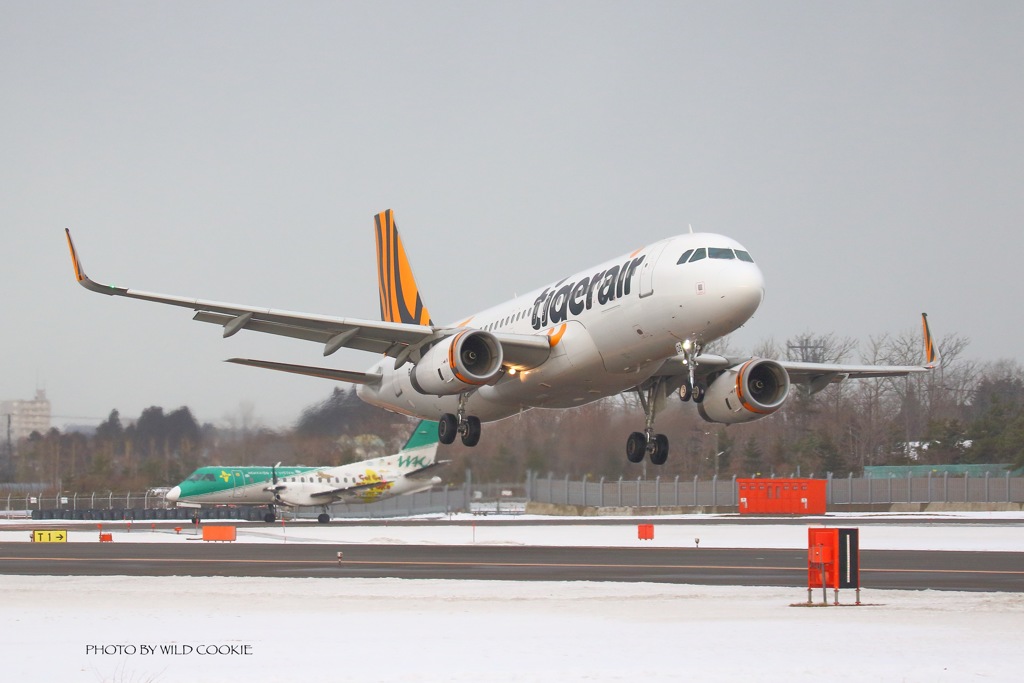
x,y
139,629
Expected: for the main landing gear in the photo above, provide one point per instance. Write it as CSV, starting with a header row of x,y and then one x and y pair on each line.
x,y
466,426
652,395
271,515
647,442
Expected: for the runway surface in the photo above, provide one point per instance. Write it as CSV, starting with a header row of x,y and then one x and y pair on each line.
x,y
963,571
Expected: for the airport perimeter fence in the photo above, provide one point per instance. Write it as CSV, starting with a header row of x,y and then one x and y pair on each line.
x,y
503,498
149,506
719,493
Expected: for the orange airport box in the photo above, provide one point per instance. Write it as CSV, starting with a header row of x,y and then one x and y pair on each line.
x,y
782,496
219,533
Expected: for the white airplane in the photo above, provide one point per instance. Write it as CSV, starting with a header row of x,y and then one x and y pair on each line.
x,y
368,481
635,323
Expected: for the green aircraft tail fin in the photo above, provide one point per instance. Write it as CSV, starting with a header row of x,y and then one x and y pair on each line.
x,y
424,434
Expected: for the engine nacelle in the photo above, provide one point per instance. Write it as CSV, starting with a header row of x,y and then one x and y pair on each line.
x,y
464,361
746,392
297,498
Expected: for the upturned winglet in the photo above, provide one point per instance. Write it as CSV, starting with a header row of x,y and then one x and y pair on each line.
x,y
82,278
931,350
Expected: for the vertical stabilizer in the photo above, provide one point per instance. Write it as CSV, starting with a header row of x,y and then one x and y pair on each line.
x,y
400,300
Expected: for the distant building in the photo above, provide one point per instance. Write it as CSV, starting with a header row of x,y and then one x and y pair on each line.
x,y
25,417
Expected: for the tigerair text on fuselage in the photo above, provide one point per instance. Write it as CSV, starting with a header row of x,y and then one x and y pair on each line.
x,y
557,302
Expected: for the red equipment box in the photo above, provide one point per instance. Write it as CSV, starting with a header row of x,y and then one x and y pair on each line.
x,y
782,496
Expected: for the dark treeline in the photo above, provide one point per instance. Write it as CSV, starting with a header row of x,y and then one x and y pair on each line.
x,y
965,413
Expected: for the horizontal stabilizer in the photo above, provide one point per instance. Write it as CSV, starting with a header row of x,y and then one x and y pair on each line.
x,y
350,376
427,471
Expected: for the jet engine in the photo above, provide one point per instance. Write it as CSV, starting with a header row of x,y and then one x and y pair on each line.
x,y
458,363
746,392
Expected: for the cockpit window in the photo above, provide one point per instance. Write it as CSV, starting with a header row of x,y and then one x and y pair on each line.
x,y
721,253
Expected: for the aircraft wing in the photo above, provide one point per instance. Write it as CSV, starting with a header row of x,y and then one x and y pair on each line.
x,y
332,332
816,375
334,493
387,338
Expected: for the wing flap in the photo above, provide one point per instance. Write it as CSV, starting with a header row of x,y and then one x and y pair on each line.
x,y
350,376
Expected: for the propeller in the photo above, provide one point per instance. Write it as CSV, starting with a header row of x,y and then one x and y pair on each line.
x,y
273,478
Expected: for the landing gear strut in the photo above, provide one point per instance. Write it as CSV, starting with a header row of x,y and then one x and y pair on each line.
x,y
690,389
466,426
647,442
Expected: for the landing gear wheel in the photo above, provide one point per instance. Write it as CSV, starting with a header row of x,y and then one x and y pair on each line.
x,y
698,394
269,518
636,446
685,392
447,428
323,518
470,431
659,449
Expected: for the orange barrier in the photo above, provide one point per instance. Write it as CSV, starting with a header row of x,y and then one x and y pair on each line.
x,y
645,532
219,533
106,538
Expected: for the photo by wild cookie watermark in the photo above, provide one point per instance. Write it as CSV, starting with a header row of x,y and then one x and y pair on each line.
x,y
179,649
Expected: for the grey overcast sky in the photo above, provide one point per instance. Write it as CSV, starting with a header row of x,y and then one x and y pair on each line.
x,y
870,155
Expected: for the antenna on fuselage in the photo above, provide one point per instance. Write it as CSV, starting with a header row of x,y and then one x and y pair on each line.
x,y
691,227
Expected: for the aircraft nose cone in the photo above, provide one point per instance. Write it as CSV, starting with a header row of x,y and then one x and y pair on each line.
x,y
748,289
173,495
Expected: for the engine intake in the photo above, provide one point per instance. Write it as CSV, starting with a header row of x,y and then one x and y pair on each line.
x,y
464,361
746,392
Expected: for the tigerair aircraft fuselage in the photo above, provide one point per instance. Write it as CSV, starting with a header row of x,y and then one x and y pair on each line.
x,y
634,323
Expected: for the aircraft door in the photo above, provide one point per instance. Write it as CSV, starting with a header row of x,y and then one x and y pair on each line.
x,y
236,484
647,269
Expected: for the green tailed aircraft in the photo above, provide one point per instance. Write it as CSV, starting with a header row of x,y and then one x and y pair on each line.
x,y
408,471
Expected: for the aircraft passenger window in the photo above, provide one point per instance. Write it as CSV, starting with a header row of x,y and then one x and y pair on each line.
x,y
743,256
685,257
715,252
698,254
